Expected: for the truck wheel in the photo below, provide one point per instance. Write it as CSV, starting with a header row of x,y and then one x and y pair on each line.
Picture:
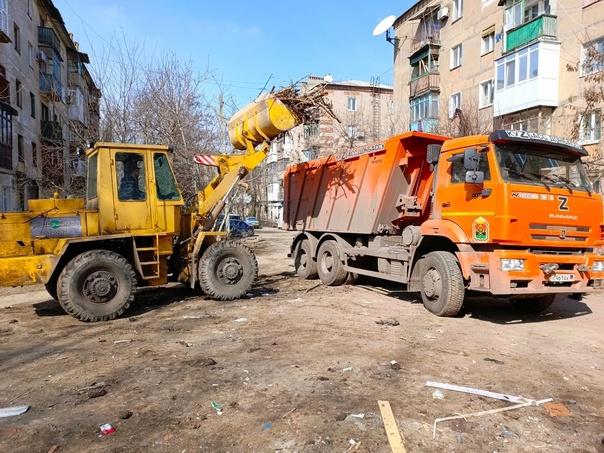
x,y
305,266
329,264
533,305
442,285
227,270
97,285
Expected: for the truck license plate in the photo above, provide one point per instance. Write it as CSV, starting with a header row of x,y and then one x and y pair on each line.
x,y
561,278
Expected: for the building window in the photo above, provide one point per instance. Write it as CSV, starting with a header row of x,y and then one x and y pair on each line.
x,y
457,9
6,137
32,104
456,55
592,57
30,54
17,37
518,67
4,16
486,94
590,128
424,107
311,129
454,104
352,104
352,131
488,43
20,150
34,154
19,93
513,14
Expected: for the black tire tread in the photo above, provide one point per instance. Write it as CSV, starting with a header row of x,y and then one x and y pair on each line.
x,y
68,273
206,280
311,270
340,274
455,280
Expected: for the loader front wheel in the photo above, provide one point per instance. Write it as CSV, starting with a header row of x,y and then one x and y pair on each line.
x,y
97,285
227,270
442,285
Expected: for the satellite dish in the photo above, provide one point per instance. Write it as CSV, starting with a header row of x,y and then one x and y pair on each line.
x,y
384,25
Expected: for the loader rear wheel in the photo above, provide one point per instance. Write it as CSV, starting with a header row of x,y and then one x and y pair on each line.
x,y
304,264
97,285
533,305
329,264
227,270
442,285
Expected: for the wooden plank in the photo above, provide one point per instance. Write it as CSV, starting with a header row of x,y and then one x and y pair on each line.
x,y
394,436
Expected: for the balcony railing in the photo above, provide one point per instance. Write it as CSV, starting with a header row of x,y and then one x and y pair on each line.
x,y
52,131
47,37
417,44
424,125
423,84
544,25
51,86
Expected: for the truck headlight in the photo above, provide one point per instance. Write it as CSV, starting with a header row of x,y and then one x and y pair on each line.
x,y
598,266
512,264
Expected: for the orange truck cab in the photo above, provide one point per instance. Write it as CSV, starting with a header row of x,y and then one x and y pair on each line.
x,y
509,214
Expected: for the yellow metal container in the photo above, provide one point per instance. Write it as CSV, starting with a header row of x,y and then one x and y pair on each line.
x,y
260,121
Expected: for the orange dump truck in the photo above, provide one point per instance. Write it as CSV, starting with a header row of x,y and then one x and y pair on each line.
x,y
508,214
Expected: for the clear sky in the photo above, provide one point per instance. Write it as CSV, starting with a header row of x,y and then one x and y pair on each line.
x,y
245,42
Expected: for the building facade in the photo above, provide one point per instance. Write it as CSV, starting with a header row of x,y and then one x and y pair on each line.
x,y
468,66
365,114
49,104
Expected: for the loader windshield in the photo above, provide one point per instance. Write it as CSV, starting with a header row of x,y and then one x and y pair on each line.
x,y
542,165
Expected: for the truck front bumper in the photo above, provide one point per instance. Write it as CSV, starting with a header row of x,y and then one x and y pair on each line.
x,y
542,273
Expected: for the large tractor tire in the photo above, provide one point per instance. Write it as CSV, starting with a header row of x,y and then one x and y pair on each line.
x,y
329,264
97,285
305,265
227,270
442,285
533,305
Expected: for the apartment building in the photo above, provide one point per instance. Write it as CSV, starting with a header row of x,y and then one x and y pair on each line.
x,y
49,105
366,114
467,66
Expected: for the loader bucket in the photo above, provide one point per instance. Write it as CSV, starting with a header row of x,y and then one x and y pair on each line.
x,y
261,121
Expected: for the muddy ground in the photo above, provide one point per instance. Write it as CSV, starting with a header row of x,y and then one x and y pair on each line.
x,y
289,366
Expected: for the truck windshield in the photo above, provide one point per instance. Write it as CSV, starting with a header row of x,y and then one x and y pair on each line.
x,y
542,165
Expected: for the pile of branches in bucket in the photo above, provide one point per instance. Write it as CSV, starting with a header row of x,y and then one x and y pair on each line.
x,y
307,104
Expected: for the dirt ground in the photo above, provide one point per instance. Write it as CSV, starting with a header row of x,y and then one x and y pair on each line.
x,y
290,365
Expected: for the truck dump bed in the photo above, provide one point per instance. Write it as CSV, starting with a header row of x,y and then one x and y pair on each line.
x,y
373,190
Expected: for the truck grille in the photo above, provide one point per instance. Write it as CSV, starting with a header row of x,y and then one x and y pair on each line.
x,y
561,233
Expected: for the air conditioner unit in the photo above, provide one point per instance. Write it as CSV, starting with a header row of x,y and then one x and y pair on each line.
x,y
443,13
41,56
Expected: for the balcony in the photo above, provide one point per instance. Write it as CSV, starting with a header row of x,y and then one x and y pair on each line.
x,y
423,84
418,44
51,87
52,131
48,38
424,125
541,26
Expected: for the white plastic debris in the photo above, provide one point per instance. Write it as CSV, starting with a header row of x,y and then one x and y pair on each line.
x,y
13,411
438,395
241,320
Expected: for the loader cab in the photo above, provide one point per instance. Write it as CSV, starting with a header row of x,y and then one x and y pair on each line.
x,y
133,188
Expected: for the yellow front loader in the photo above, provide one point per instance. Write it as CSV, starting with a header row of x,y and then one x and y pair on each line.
x,y
131,230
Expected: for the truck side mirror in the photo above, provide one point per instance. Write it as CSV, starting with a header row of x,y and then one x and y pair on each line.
x,y
471,159
475,177
433,153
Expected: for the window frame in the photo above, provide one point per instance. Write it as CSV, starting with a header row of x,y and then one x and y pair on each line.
x,y
594,127
351,104
452,64
490,40
457,10
173,178
119,179
598,42
481,104
483,156
17,37
452,106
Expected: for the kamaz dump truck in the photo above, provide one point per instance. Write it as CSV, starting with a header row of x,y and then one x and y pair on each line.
x,y
131,230
508,214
